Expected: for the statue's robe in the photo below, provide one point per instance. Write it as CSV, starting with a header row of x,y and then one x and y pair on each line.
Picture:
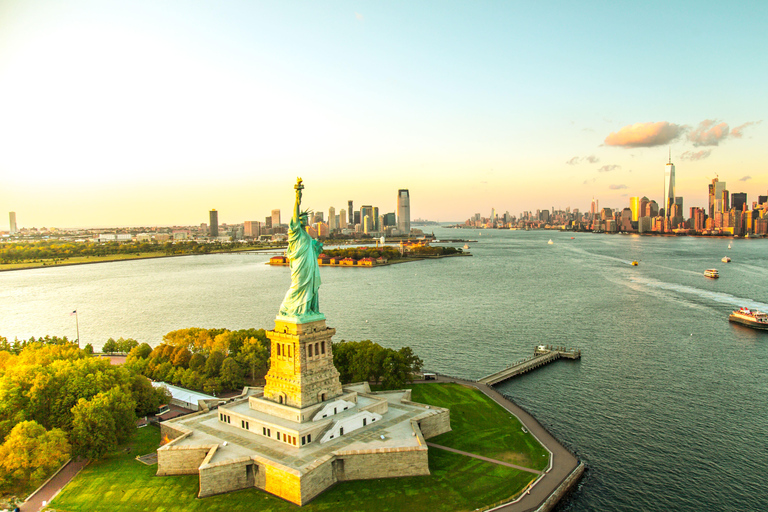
x,y
302,252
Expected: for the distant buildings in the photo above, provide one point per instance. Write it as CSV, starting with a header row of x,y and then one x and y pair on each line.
x,y
214,223
669,186
403,211
12,219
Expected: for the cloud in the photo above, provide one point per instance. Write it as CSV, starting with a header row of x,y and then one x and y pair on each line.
x,y
738,132
696,155
745,178
587,182
359,16
617,187
645,135
709,133
609,168
577,160
573,161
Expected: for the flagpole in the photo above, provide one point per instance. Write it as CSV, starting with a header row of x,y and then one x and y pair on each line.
x,y
77,324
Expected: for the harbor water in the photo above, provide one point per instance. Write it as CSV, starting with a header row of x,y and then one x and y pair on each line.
x,y
667,405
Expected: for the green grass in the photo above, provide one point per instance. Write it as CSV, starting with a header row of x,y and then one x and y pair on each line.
x,y
120,483
481,426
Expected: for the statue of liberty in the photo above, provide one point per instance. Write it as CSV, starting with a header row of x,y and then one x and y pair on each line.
x,y
302,301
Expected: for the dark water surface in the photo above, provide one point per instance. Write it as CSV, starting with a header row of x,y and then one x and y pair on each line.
x,y
668,406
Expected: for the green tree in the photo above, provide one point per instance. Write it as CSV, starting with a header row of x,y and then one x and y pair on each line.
x,y
109,347
140,352
101,423
29,455
253,355
197,361
232,374
88,349
182,357
125,346
213,364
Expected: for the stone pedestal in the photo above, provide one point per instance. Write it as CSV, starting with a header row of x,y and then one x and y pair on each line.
x,y
301,372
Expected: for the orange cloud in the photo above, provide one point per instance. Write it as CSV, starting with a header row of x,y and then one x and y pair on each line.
x,y
645,135
696,155
738,132
708,133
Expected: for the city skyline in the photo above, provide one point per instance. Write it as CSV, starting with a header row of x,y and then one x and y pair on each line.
x,y
133,115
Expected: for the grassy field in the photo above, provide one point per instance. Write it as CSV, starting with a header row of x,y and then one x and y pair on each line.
x,y
481,426
120,483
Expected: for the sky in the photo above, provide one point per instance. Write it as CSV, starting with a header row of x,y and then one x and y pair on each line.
x,y
146,113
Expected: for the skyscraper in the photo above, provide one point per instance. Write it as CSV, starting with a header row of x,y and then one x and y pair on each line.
x,y
342,219
669,185
332,219
275,218
739,200
351,211
403,211
366,211
12,219
634,206
214,223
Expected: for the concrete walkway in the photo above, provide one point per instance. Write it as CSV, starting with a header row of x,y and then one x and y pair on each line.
x,y
563,462
51,488
486,459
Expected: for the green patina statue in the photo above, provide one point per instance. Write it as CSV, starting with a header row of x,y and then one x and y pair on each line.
x,y
301,302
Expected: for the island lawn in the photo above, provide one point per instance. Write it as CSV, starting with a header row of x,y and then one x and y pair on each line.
x,y
457,482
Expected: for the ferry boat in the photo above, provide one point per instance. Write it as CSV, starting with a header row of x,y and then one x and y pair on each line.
x,y
550,242
634,263
754,319
712,272
726,259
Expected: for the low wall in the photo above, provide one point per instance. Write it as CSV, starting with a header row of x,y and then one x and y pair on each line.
x,y
435,424
382,464
228,476
181,460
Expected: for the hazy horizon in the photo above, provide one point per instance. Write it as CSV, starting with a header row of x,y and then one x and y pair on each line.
x,y
145,113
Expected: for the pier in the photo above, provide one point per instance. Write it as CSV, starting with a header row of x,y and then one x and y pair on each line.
x,y
542,354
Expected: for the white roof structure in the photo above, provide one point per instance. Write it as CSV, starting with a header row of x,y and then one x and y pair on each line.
x,y
184,395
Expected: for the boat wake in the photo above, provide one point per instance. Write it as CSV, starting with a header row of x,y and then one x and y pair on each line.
x,y
719,297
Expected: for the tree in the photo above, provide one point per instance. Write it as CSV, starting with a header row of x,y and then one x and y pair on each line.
x,y
125,346
101,423
88,349
197,361
148,398
253,355
140,352
213,364
29,454
109,347
181,357
232,374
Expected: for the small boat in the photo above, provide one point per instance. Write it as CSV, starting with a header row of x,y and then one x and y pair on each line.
x,y
712,272
753,319
634,263
726,259
466,246
729,245
550,242
573,237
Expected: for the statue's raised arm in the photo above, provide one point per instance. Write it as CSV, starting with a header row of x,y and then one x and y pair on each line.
x,y
301,301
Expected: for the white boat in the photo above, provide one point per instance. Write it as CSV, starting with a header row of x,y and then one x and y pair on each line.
x,y
712,272
729,245
466,246
726,259
550,242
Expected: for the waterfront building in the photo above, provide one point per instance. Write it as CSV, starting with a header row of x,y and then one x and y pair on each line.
x,y
739,200
366,211
252,229
669,185
367,224
12,222
332,219
213,217
403,212
697,219
652,209
634,206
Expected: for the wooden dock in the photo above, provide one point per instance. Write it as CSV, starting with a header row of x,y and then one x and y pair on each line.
x,y
542,354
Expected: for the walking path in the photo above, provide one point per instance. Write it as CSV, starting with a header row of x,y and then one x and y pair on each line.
x,y
51,488
486,459
545,491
